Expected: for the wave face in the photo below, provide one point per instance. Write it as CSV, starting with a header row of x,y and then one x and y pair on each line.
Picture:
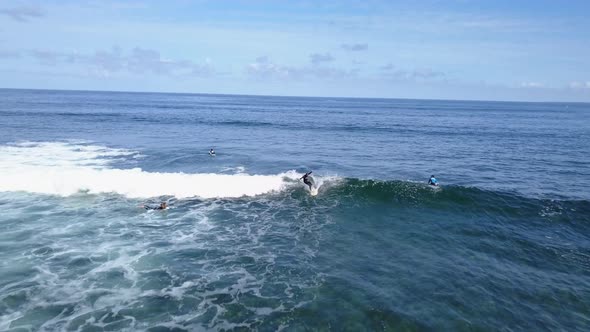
x,y
454,199
68,168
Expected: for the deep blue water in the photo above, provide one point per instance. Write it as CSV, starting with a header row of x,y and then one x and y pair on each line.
x,y
504,244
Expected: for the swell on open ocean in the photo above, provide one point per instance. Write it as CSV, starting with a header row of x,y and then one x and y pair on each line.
x,y
503,244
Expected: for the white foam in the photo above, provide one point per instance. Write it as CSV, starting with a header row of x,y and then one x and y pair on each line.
x,y
69,168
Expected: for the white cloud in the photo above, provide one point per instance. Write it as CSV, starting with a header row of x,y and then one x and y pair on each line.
x,y
136,61
531,85
317,58
262,59
23,13
579,85
9,54
387,67
264,68
355,47
46,57
389,71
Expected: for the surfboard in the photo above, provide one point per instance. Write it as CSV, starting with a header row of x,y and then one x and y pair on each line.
x,y
436,188
313,191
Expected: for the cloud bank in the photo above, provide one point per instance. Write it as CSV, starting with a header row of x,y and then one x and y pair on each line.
x,y
389,71
264,68
137,61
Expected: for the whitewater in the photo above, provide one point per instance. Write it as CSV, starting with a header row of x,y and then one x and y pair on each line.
x,y
66,169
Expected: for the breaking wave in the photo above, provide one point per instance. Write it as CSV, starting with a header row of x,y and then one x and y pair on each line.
x,y
67,168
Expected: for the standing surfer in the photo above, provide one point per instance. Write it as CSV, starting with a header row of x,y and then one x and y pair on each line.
x,y
308,180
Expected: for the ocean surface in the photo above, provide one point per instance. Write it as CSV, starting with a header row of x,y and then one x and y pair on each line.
x,y
502,244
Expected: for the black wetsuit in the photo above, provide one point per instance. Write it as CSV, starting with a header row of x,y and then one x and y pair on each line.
x,y
308,180
154,207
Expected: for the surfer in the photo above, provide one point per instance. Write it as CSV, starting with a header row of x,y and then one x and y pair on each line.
x,y
162,206
308,180
211,152
433,181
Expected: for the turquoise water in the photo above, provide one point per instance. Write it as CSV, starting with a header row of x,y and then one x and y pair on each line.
x,y
502,245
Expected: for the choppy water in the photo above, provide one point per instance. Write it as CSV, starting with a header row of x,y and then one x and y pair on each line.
x,y
503,245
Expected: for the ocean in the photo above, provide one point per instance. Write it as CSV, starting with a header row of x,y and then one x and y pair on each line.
x,y
502,244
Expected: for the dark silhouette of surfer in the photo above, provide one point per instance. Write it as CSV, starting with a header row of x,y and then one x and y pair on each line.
x,y
308,180
162,206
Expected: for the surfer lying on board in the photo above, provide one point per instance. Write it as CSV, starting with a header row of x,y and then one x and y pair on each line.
x,y
308,180
433,181
161,207
212,152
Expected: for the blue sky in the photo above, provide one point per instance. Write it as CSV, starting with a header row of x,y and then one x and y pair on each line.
x,y
453,49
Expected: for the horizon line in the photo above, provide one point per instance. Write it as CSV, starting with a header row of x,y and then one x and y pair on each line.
x,y
297,96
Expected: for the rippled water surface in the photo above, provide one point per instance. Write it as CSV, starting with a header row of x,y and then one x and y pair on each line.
x,y
503,244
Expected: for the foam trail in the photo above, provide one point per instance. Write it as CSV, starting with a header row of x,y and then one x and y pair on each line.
x,y
65,169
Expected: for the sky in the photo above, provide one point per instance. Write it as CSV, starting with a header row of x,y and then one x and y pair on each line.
x,y
537,50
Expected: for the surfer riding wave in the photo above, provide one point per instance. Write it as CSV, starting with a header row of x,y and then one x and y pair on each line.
x,y
308,180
